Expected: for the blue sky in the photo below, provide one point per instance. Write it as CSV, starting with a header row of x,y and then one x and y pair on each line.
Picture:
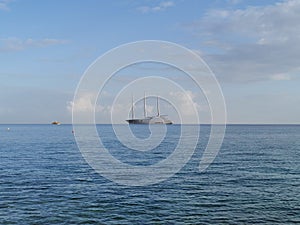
x,y
251,46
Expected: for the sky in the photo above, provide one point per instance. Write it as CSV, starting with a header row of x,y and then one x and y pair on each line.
x,y
252,47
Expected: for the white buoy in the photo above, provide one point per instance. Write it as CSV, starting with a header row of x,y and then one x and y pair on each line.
x,y
8,129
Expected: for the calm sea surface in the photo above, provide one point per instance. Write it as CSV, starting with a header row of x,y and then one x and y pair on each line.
x,y
254,179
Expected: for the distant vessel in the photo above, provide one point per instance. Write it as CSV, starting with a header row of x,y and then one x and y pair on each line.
x,y
55,123
158,119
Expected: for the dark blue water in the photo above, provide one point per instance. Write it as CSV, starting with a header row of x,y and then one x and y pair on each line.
x,y
254,179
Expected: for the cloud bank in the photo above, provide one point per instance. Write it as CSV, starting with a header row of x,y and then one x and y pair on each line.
x,y
17,44
157,8
252,44
4,5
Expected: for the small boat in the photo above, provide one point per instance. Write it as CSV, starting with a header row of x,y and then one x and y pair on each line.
x,y
55,123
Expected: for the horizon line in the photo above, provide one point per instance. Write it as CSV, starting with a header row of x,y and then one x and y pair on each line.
x,y
146,124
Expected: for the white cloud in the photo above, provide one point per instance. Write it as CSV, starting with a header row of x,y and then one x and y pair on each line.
x,y
4,5
252,44
85,103
17,44
186,102
160,7
84,106
273,23
280,77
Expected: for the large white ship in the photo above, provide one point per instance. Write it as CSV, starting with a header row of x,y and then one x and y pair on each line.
x,y
158,119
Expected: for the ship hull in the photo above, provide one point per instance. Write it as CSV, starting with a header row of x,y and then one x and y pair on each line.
x,y
138,121
150,120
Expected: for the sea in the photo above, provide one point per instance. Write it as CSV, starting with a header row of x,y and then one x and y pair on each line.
x,y
254,179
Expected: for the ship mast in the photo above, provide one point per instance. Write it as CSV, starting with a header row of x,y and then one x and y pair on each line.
x,y
132,108
145,112
157,106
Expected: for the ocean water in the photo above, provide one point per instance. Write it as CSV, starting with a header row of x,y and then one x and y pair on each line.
x,y
255,179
